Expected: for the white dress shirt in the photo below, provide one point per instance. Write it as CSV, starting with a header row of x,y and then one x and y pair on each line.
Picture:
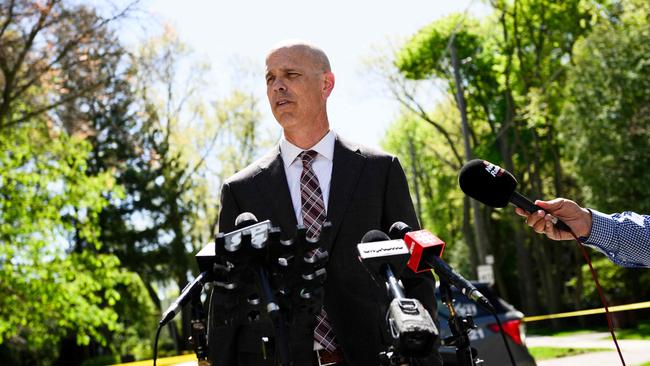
x,y
322,166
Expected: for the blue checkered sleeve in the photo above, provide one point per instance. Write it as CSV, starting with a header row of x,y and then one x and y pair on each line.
x,y
623,237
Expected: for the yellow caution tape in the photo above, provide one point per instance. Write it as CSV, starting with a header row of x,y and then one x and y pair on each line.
x,y
612,309
167,361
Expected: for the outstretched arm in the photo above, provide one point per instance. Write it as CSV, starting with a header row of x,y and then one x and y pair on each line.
x,y
623,237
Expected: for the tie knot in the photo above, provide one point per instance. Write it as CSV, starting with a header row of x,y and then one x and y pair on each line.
x,y
307,157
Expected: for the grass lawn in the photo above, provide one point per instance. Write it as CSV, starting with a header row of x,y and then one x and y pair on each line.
x,y
545,353
642,331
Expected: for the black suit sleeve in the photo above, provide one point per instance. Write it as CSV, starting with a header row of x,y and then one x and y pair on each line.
x,y
229,210
399,207
222,338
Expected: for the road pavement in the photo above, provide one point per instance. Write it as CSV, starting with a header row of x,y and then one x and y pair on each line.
x,y
635,352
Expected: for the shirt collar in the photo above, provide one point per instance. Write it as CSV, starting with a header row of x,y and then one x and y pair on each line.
x,y
324,147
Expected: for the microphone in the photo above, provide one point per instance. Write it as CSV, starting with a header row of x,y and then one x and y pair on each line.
x,y
245,219
411,327
383,257
185,296
495,187
421,242
246,223
225,256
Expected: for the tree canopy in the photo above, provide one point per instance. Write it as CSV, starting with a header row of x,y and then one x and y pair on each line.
x,y
555,92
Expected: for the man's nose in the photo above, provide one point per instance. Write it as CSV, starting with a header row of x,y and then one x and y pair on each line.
x,y
278,85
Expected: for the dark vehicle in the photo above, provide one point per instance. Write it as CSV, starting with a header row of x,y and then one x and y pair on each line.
x,y
486,338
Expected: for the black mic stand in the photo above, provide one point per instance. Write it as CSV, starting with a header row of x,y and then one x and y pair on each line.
x,y
460,327
392,356
278,320
199,337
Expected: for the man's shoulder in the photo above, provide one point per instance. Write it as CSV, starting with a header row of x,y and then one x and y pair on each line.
x,y
252,169
364,150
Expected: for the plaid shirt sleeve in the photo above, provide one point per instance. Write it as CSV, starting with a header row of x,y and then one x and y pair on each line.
x,y
623,237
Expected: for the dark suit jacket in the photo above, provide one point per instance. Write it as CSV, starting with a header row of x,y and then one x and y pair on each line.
x,y
368,191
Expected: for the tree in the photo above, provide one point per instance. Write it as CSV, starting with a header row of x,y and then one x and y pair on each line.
x,y
506,75
178,147
48,290
607,135
49,56
55,60
422,152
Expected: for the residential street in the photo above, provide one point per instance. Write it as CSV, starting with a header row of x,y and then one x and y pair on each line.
x,y
635,352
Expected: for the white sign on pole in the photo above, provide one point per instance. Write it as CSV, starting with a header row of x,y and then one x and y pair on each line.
x,y
485,273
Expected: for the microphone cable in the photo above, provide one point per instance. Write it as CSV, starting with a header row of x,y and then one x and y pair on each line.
x,y
608,315
155,344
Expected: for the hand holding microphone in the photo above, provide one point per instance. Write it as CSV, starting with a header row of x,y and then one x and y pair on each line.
x,y
576,217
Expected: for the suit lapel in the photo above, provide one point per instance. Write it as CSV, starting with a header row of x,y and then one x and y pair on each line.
x,y
346,169
271,182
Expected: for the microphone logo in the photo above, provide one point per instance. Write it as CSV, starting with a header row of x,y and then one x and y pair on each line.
x,y
423,237
494,170
385,248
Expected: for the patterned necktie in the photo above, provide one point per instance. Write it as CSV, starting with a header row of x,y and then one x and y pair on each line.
x,y
313,207
313,216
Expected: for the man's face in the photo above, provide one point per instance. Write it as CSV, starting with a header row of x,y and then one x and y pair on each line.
x,y
296,86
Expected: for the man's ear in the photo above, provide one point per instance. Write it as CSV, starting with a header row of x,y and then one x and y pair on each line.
x,y
328,83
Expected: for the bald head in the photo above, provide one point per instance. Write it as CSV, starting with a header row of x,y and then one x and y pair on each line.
x,y
298,83
312,52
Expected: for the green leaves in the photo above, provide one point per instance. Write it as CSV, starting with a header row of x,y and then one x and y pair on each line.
x,y
426,53
607,117
48,206
558,92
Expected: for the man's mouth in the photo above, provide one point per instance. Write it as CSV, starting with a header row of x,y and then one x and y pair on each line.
x,y
282,102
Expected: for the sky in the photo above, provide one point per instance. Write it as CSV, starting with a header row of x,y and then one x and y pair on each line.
x,y
236,34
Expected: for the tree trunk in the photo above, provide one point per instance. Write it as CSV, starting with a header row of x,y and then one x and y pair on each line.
x,y
480,234
526,284
416,186
468,234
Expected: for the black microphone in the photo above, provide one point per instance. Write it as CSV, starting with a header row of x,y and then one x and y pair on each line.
x,y
420,242
247,223
184,298
383,257
411,327
495,187
234,252
245,219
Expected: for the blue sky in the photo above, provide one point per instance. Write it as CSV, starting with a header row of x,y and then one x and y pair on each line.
x,y
229,34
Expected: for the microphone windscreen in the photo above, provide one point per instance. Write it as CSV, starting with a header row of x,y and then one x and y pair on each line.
x,y
398,230
245,219
373,236
487,183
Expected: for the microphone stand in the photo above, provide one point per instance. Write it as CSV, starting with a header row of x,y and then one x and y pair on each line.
x,y
277,318
392,356
460,327
199,339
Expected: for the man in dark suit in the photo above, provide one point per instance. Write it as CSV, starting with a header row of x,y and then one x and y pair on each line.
x,y
356,188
